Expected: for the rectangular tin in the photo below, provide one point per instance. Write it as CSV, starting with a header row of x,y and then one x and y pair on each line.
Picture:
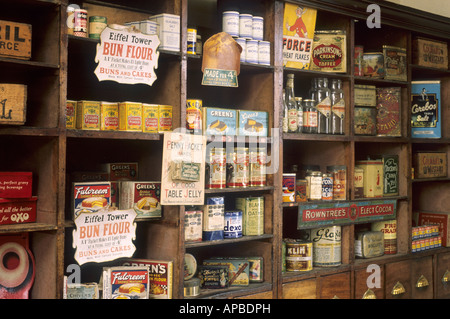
x,y
218,121
88,115
253,215
232,224
253,123
391,175
373,177
109,116
238,269
130,116
369,244
365,95
373,64
165,114
388,111
150,118
213,218
395,63
329,53
213,276
71,113
426,107
365,120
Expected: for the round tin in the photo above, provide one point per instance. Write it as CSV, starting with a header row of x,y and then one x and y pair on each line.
x,y
190,266
258,166
194,115
242,43
230,23
327,186
80,26
192,287
251,51
299,255
245,25
238,167
233,224
217,168
257,28
389,230
339,173
191,40
327,246
96,25
264,52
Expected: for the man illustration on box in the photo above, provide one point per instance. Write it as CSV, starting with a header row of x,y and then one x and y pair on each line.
x,y
299,26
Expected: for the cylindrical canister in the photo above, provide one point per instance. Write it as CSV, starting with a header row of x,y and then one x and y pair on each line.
x,y
232,224
217,168
194,115
230,23
300,190
314,185
191,40
245,25
242,42
96,25
213,218
264,52
339,173
288,187
389,229
327,186
257,166
251,51
299,255
80,24
358,183
257,28
326,246
238,168
252,215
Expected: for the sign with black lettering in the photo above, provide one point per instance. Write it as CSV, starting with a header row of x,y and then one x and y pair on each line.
x,y
15,40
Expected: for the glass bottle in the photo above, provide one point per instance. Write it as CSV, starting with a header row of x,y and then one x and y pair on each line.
x,y
323,107
309,117
298,100
291,105
313,89
337,107
285,113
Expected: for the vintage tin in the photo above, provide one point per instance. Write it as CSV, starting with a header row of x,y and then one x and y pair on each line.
x,y
430,53
388,111
339,173
143,197
71,107
326,246
395,63
232,224
184,171
80,23
245,25
299,255
194,115
149,27
230,23
329,53
238,161
300,190
358,57
243,43
252,215
426,109
238,269
109,116
217,168
373,177
219,121
253,123
150,118
389,230
88,115
390,175
16,184
165,114
193,224
264,52
130,116
121,171
258,28
191,287
96,25
213,276
190,266
168,31
327,186
213,218
314,185
358,183
430,164
369,244
258,169
373,64
251,51
191,40
365,120
365,95
90,197
288,187
18,210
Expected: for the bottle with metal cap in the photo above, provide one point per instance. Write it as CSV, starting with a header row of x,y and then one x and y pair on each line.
x,y
291,104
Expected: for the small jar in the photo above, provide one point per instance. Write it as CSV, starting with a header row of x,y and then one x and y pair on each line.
x,y
309,117
314,186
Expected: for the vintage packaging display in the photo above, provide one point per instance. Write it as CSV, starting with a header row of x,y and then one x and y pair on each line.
x,y
369,244
219,121
245,25
390,175
251,51
88,115
373,64
256,269
194,117
80,290
339,174
165,115
442,219
389,230
160,276
143,197
130,116
18,210
16,184
329,53
253,123
288,187
358,183
326,246
150,118
264,52
90,197
109,116
425,244
71,111
373,177
258,158
238,269
300,190
252,215
213,218
238,167
16,40
426,107
258,28
96,25
298,255
365,95
365,120
213,276
126,282
395,63
430,164
327,186
232,224
424,231
430,53
190,266
168,31
216,168
193,225
121,171
230,23
388,111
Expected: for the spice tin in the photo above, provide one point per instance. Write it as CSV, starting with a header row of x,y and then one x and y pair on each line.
x,y
230,23
257,166
194,115
394,63
96,25
299,255
373,64
71,107
365,120
329,53
109,116
314,185
239,169
339,173
242,42
326,246
288,187
193,223
191,40
358,184
300,190
257,28
165,114
389,230
80,26
232,224
388,111
358,56
213,218
217,168
88,115
327,186
245,25
251,51
264,52
130,116
373,177
369,244
150,118
252,215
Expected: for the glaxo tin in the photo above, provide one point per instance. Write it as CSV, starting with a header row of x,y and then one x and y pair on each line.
x,y
327,246
232,224
299,255
217,168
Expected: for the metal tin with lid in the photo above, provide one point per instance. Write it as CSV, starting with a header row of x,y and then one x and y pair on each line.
x,y
369,244
327,246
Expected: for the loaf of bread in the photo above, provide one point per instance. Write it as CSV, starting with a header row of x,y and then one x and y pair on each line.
x,y
221,52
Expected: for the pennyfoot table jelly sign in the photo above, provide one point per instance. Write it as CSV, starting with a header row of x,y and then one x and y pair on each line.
x,y
127,56
104,235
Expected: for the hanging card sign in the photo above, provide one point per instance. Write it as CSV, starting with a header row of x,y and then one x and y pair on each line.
x,y
104,235
125,55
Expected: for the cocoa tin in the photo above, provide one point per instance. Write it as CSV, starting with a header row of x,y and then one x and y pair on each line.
x,y
16,184
390,175
17,211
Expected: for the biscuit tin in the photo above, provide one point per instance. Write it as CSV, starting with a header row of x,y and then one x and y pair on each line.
x,y
143,197
369,244
426,107
253,123
90,197
125,282
130,116
150,118
109,116
238,269
394,63
213,276
252,215
299,255
388,111
71,111
88,115
329,53
218,121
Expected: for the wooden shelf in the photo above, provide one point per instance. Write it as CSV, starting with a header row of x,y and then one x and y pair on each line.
x,y
227,241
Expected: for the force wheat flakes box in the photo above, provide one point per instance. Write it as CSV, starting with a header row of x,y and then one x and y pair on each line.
x,y
253,123
143,197
218,121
